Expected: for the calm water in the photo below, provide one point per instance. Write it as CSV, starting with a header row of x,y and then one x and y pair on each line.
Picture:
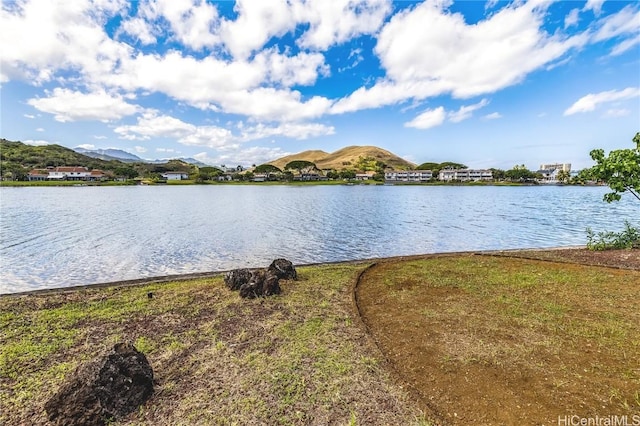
x,y
58,237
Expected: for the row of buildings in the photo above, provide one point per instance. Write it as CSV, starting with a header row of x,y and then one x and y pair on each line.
x,y
550,174
66,173
445,175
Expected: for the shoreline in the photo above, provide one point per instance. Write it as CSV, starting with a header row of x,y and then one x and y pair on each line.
x,y
212,274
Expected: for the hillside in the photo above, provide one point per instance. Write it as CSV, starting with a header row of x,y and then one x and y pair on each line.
x,y
17,159
345,158
28,156
312,155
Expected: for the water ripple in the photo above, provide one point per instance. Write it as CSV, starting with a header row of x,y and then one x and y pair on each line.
x,y
57,237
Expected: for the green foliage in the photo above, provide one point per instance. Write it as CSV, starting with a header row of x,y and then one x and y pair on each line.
x,y
369,164
267,168
498,174
208,173
626,239
451,165
428,166
436,167
300,165
126,172
620,170
564,176
347,174
18,159
520,173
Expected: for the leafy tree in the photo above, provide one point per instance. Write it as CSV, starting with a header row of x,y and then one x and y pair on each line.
x,y
267,168
520,173
208,173
564,176
451,165
347,174
126,172
498,174
301,166
620,170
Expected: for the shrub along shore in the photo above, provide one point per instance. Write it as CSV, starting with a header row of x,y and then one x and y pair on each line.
x,y
304,356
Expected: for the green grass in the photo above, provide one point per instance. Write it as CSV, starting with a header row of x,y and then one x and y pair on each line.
x,y
297,358
218,359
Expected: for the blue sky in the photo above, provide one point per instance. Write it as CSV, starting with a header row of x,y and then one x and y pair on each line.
x,y
487,84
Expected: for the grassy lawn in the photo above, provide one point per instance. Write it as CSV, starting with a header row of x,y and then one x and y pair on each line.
x,y
456,339
298,358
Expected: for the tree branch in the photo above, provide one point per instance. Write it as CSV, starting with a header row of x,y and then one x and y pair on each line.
x,y
628,188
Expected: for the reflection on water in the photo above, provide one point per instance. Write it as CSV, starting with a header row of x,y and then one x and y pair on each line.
x,y
58,237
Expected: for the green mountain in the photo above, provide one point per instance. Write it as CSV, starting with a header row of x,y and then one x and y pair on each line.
x,y
18,159
346,158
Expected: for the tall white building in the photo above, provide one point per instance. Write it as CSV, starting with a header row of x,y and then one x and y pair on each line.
x,y
566,167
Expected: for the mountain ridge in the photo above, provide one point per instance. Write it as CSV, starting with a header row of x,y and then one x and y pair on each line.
x,y
344,158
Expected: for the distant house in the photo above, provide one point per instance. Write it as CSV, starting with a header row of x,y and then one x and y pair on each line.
x,y
407,176
38,175
550,172
96,175
69,173
260,177
309,177
365,175
175,175
465,175
66,173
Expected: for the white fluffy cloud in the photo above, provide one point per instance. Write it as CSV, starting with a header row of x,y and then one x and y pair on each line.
x,y
466,111
435,117
290,130
70,105
246,156
624,22
595,5
591,101
429,118
152,125
40,37
493,116
329,22
336,21
572,18
427,51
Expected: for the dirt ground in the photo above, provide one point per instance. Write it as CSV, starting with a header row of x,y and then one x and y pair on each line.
x,y
478,348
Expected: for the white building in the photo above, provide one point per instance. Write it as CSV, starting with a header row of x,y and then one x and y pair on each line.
x,y
565,167
550,172
465,175
408,175
175,175
69,173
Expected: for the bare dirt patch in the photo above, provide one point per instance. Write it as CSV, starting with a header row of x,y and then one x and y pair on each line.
x,y
496,340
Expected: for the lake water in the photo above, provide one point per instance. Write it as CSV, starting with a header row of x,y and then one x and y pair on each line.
x,y
65,236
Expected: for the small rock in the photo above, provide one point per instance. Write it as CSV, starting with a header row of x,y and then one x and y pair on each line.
x,y
284,269
236,278
110,387
262,283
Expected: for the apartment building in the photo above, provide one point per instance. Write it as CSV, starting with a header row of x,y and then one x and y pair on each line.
x,y
465,175
407,175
